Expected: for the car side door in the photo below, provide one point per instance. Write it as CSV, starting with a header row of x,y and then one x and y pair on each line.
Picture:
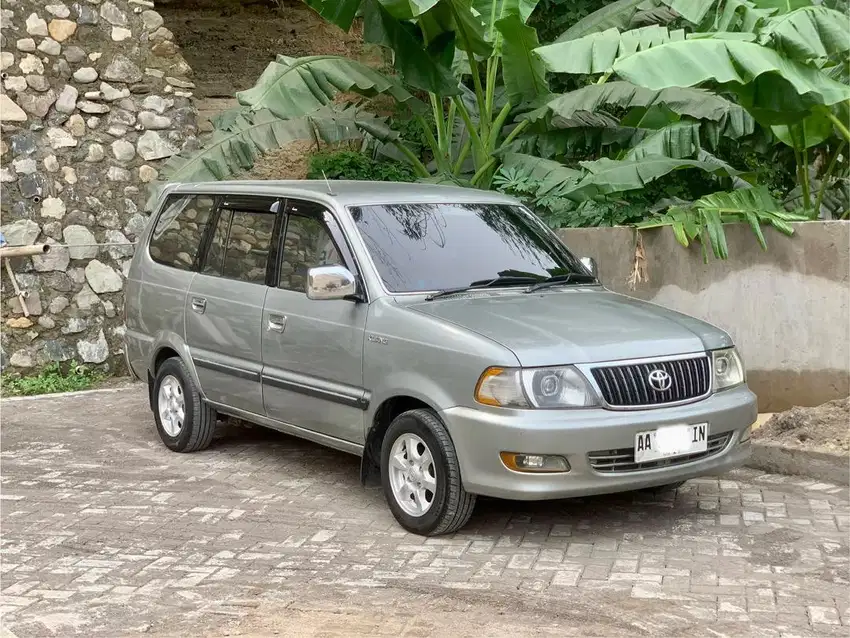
x,y
313,349
224,307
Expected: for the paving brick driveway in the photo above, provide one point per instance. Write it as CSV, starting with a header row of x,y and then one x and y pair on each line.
x,y
105,532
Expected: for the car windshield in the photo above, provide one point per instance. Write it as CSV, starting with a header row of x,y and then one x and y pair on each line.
x,y
427,247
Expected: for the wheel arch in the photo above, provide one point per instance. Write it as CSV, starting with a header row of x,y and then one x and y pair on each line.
x,y
383,415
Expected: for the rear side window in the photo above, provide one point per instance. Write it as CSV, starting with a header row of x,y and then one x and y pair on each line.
x,y
176,239
240,246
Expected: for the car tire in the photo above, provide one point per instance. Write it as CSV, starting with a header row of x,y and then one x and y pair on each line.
x,y
183,419
417,436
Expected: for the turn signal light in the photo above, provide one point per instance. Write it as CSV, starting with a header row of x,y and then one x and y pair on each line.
x,y
542,463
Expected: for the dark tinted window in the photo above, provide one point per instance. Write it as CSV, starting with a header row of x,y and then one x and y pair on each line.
x,y
240,246
418,247
177,236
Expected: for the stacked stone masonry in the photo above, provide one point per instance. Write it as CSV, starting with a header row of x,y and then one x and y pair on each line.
x,y
95,97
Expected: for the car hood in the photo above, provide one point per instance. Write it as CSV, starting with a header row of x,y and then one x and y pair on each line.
x,y
576,325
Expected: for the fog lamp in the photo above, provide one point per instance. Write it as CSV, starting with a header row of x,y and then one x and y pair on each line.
x,y
542,463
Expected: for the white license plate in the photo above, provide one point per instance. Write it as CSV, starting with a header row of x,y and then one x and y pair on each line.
x,y
669,441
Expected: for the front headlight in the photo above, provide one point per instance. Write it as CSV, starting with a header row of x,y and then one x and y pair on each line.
x,y
728,368
551,388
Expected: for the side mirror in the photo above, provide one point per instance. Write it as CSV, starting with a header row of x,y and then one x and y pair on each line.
x,y
590,264
330,282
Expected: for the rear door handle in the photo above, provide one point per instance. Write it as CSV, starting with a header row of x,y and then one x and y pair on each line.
x,y
276,323
199,304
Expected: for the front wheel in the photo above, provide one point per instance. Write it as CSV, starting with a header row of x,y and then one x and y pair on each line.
x,y
420,474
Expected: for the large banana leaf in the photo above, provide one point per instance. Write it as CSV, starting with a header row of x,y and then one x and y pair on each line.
x,y
678,140
522,71
703,219
696,103
338,12
418,69
548,173
458,17
741,15
694,11
292,87
606,176
810,132
249,135
782,6
597,52
773,88
407,9
617,15
494,10
808,34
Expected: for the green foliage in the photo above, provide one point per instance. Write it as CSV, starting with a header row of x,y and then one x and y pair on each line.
x,y
357,166
595,112
703,219
54,377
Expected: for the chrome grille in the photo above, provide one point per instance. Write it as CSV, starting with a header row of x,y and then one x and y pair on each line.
x,y
623,459
628,385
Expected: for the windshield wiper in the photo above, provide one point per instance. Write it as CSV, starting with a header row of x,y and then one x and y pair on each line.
x,y
486,283
557,280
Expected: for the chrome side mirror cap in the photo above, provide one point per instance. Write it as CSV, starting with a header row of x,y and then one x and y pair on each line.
x,y
330,282
590,264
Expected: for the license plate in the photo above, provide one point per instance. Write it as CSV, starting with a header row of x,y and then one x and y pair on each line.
x,y
670,441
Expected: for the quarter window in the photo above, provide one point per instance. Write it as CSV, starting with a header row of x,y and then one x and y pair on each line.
x,y
177,235
240,246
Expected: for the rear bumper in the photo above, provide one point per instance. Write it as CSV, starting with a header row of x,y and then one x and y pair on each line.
x,y
479,436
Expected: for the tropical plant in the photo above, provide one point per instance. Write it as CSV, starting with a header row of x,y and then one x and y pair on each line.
x,y
663,90
357,166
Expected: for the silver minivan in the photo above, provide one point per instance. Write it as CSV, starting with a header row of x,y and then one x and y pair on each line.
x,y
444,335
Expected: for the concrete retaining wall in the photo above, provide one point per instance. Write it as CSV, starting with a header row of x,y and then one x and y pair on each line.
x,y
788,309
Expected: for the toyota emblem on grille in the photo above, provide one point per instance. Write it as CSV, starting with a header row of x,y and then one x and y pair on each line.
x,y
659,380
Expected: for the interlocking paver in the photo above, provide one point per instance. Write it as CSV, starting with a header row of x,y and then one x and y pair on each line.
x,y
106,532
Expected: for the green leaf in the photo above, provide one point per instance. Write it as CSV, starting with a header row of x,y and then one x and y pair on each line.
x,y
522,71
741,15
597,52
407,9
492,11
295,87
338,12
772,87
694,11
411,60
548,173
808,34
617,15
563,110
606,176
249,135
813,130
678,140
782,6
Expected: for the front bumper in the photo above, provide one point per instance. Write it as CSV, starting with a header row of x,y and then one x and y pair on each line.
x,y
480,434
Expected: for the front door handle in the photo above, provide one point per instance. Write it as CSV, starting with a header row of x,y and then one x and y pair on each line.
x,y
199,304
276,323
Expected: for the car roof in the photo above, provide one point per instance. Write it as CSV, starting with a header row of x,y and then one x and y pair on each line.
x,y
348,193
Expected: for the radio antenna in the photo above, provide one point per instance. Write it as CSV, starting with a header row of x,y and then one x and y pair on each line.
x,y
330,190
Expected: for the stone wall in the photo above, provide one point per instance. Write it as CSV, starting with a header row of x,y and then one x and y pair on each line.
x,y
95,97
788,309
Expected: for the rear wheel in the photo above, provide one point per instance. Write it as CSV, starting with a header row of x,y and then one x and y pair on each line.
x,y
420,474
183,419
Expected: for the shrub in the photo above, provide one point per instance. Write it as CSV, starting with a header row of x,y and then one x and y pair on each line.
x,y
356,166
